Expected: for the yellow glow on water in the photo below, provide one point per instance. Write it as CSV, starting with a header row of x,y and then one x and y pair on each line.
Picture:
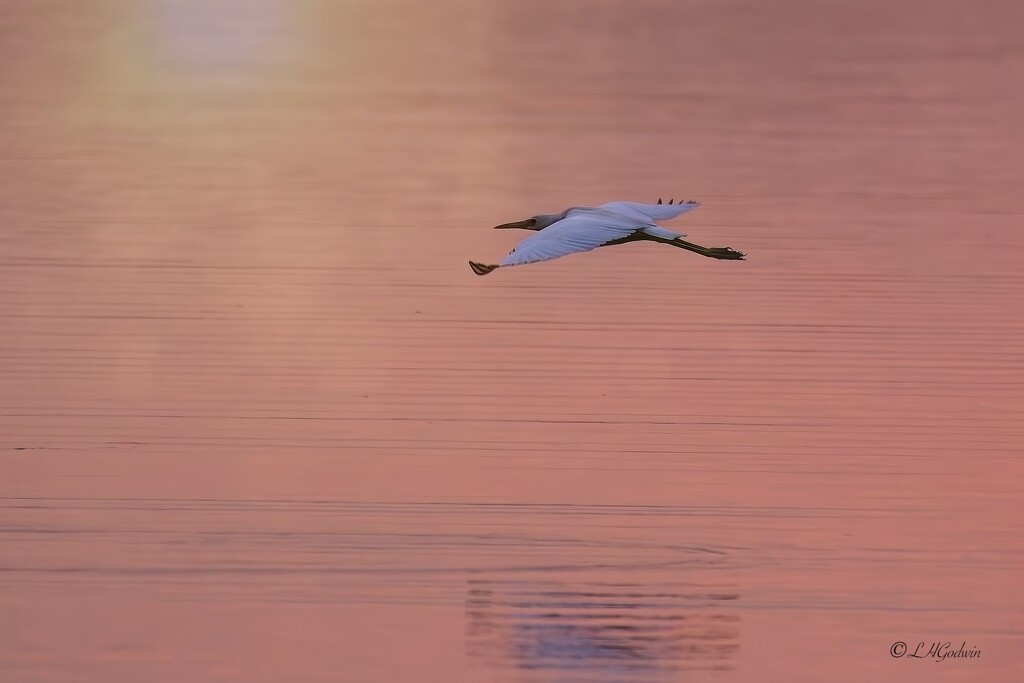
x,y
217,34
179,101
186,45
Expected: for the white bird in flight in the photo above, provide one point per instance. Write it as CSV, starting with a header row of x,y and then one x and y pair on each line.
x,y
582,228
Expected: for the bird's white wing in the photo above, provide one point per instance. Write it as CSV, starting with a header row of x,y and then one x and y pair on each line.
x,y
581,230
653,212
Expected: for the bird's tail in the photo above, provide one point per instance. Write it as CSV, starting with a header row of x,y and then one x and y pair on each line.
x,y
480,268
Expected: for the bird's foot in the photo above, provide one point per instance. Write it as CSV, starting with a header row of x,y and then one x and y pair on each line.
x,y
726,253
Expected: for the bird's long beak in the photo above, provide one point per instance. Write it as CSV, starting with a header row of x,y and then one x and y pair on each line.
x,y
528,223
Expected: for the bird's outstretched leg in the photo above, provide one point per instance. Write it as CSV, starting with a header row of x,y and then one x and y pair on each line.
x,y
726,253
480,268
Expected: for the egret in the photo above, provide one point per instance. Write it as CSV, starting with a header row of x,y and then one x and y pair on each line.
x,y
582,228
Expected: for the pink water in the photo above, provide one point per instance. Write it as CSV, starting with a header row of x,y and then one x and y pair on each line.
x,y
260,422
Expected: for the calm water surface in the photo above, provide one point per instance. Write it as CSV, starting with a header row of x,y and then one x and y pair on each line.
x,y
260,422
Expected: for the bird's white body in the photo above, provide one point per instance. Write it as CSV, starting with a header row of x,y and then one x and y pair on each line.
x,y
586,228
582,228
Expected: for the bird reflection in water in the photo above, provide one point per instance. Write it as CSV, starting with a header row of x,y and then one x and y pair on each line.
x,y
600,632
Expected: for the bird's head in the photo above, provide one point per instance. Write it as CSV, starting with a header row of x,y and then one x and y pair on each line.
x,y
536,223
